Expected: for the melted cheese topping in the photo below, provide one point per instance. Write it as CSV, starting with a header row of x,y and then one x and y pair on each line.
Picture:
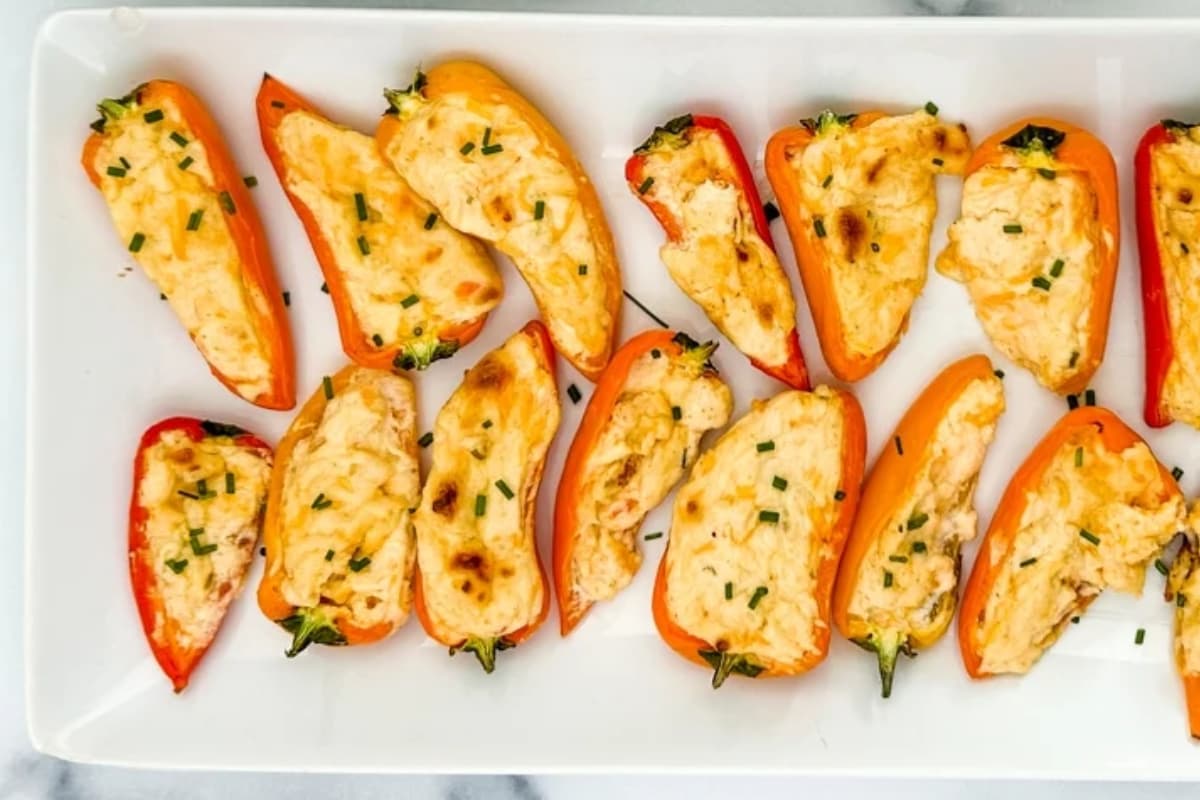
x,y
197,596
497,195
1045,330
1176,176
200,271
637,460
1116,497
347,500
411,253
480,574
872,189
719,536
720,261
939,514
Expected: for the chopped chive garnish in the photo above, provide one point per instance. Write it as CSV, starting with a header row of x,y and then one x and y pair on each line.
x,y
931,108
487,136
683,459
185,162
250,181
359,564
573,393
898,559
1027,562
779,483
652,536
768,516
1048,174
480,505
178,139
918,547
828,180
136,242
1041,283
116,172
504,490
916,521
899,445
1091,537
195,532
1180,600
467,148
656,353
377,339
162,296
321,502
430,221
153,116
410,301
492,149
765,447
839,495
188,494
124,162
874,247
487,423
202,487
937,162
287,298
417,331
1089,397
999,373
887,579
1160,566
360,206
426,439
1079,456
277,104
770,211
478,456
539,209
645,185
363,246
1013,228
676,413
177,565
757,597
1176,473
819,227
329,555
583,269
728,590
1074,620
1140,636
226,203
193,223
230,483
1183,246
1074,358
1072,402
1056,268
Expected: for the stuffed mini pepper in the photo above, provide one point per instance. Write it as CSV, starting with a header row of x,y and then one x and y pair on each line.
x,y
1036,246
181,208
198,494
1167,192
1183,589
858,195
494,168
407,288
1087,510
338,529
897,585
746,581
642,428
693,177
480,582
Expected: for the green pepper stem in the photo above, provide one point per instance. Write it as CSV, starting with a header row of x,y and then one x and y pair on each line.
x,y
309,625
725,664
485,650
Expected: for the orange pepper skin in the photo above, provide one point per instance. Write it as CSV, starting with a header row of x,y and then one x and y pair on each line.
x,y
245,227
1115,436
176,660
854,438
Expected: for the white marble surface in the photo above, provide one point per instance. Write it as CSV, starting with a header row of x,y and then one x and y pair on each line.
x,y
26,774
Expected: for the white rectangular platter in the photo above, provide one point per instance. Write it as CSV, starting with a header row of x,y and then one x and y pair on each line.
x,y
107,359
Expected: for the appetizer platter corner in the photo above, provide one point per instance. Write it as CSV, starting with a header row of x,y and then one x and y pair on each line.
x,y
624,359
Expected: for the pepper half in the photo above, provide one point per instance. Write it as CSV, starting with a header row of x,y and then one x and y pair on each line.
x,y
407,289
657,397
185,214
692,175
194,515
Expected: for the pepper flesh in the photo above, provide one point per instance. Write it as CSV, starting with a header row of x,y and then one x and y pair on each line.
x,y
257,274
675,134
176,659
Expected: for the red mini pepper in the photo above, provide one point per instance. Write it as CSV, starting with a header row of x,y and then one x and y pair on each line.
x,y
148,571
675,134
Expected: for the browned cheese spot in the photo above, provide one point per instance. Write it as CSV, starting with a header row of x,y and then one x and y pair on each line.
x,y
445,501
